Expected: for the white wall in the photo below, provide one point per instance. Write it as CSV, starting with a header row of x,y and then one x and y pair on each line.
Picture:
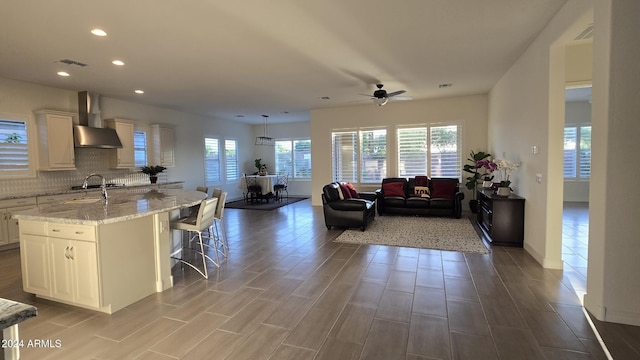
x,y
526,108
471,111
577,113
613,288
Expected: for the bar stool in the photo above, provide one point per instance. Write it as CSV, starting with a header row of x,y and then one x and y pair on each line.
x,y
220,232
195,226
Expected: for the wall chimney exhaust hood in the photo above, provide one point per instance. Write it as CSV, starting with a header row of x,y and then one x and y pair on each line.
x,y
93,135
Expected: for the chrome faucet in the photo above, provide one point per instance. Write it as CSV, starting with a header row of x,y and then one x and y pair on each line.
x,y
103,186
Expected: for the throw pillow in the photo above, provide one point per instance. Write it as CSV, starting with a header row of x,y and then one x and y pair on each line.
x,y
421,180
443,189
393,189
422,191
344,189
354,192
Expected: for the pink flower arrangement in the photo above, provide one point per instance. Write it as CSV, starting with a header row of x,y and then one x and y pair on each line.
x,y
489,166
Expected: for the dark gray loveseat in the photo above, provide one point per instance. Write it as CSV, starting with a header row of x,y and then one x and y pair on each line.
x,y
399,196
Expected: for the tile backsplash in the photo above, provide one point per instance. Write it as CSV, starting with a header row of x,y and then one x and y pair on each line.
x,y
88,160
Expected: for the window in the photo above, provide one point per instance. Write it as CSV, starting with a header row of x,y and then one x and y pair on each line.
x,y
16,147
577,152
430,150
359,156
293,157
211,160
231,159
140,148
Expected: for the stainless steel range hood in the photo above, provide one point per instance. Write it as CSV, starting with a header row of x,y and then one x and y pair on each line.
x,y
94,135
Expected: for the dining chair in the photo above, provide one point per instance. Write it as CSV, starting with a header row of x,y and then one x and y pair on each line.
x,y
195,227
281,186
253,190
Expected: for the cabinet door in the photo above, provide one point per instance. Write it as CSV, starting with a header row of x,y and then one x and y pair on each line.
x,y
166,147
85,273
34,256
123,158
4,227
61,269
60,142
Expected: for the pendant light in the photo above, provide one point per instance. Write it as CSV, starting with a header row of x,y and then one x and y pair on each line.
x,y
265,140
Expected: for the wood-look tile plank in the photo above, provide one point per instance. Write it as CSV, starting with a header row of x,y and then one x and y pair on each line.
x,y
334,349
377,272
429,336
468,317
281,289
313,286
312,330
456,269
286,352
217,346
404,281
260,344
500,309
353,324
515,343
290,312
368,294
232,303
576,319
251,317
430,301
199,304
182,340
470,346
428,277
384,337
564,354
550,330
395,306
335,297
460,289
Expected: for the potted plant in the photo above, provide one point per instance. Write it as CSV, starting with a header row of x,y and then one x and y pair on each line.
x,y
489,167
262,168
472,180
153,172
506,168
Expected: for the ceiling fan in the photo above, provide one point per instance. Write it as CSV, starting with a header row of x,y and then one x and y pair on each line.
x,y
381,96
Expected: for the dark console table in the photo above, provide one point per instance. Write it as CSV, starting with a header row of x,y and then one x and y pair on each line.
x,y
501,218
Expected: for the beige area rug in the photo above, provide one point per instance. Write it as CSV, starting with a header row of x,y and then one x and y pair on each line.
x,y
418,232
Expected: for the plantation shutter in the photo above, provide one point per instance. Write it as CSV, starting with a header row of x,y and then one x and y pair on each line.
x,y
283,157
302,159
231,159
344,156
585,152
445,153
412,151
140,148
373,152
570,154
212,160
14,152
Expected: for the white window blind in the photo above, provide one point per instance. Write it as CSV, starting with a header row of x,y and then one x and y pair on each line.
x,y
445,157
373,155
284,154
212,160
140,148
16,159
577,152
302,159
344,154
231,159
412,151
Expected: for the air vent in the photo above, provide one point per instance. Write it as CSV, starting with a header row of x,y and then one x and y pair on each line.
x,y
586,33
72,62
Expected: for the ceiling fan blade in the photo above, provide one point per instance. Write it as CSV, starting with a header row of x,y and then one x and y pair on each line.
x,y
367,95
396,93
401,98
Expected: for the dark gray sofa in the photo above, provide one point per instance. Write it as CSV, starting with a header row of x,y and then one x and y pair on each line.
x,y
445,200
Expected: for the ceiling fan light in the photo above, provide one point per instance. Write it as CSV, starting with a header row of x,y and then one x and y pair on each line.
x,y
380,101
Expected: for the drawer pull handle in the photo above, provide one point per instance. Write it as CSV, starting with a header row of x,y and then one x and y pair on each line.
x,y
79,232
55,230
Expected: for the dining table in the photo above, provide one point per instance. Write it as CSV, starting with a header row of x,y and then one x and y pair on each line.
x,y
266,182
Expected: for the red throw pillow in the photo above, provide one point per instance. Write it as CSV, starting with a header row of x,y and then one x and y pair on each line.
x,y
345,191
393,189
353,191
443,189
421,180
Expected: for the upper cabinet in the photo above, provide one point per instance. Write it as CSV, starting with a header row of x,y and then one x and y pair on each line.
x,y
55,129
122,158
162,145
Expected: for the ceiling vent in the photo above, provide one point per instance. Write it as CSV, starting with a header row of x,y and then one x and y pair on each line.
x,y
72,62
587,33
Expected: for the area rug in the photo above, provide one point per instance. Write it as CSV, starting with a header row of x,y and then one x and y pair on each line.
x,y
418,232
241,204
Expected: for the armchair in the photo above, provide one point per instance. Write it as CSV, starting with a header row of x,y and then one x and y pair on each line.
x,y
347,212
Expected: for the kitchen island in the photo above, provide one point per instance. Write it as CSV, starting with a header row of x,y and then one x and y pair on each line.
x,y
97,255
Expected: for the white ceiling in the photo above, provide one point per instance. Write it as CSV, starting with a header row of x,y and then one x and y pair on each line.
x,y
252,57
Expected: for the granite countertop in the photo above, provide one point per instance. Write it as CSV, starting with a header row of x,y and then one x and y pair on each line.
x,y
78,191
12,312
124,204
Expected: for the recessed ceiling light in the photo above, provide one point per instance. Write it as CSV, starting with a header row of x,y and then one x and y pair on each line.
x,y
139,91
118,62
239,116
98,32
285,112
446,85
63,73
325,98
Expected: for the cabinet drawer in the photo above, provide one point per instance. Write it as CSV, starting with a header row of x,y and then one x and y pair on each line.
x,y
33,228
74,232
17,202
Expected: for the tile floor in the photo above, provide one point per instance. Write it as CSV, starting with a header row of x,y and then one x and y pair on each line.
x,y
288,292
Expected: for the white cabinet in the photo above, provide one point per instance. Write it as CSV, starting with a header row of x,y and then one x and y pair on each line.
x,y
122,158
55,130
9,232
60,261
162,145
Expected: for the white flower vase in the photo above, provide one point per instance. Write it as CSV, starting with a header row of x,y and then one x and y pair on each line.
x,y
486,184
503,191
